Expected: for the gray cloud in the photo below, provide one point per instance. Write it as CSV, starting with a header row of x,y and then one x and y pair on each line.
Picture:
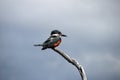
x,y
93,39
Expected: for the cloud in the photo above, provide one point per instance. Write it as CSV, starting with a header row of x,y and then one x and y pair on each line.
x,y
93,38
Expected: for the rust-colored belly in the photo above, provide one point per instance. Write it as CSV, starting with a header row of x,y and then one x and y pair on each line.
x,y
57,43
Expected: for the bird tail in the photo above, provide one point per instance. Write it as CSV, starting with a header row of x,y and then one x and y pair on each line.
x,y
38,45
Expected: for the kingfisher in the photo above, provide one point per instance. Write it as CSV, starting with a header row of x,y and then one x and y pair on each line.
x,y
53,41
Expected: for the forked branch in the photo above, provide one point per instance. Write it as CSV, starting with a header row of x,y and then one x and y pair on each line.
x,y
72,61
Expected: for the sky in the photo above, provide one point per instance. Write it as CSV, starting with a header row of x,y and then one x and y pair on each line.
x,y
93,31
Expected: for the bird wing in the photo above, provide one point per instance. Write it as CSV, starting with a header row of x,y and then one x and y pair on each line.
x,y
50,41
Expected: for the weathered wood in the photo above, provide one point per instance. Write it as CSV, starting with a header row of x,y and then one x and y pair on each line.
x,y
72,61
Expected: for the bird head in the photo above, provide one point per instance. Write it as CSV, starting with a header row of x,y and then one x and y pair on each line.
x,y
57,33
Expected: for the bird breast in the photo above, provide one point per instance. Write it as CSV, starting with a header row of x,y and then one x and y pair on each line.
x,y
57,43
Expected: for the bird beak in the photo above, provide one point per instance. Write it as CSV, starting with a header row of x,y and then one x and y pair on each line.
x,y
63,35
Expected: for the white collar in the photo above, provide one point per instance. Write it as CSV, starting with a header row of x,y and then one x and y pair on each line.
x,y
55,35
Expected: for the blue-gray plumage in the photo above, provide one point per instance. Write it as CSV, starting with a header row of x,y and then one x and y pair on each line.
x,y
53,41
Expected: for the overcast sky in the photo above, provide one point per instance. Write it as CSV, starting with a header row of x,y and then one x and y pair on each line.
x,y
92,27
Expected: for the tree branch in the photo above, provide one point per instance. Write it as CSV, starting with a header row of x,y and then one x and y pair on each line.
x,y
72,61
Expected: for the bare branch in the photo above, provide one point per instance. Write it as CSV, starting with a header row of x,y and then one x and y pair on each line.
x,y
72,61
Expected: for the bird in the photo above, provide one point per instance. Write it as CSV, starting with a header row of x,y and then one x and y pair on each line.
x,y
53,41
